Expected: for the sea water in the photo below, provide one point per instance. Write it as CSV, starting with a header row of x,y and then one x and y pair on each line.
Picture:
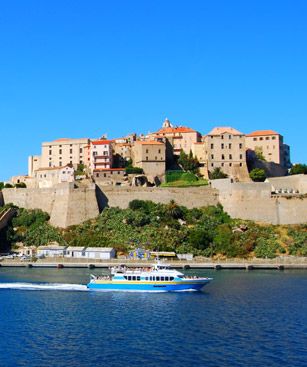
x,y
256,318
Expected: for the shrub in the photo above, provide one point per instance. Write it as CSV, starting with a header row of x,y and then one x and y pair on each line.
x,y
8,186
298,169
1,185
134,170
257,175
266,248
20,185
216,174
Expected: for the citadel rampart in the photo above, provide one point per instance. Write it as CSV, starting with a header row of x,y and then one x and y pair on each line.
x,y
254,201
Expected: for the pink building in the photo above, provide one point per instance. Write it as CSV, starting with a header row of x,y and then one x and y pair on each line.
x,y
101,154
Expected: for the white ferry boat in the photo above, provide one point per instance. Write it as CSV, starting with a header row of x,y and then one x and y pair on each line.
x,y
156,278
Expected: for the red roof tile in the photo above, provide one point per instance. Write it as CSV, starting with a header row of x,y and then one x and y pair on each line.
x,y
263,133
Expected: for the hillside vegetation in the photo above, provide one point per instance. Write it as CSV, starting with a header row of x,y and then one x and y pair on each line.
x,y
208,232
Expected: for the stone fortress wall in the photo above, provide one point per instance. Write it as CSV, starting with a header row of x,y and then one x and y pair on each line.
x,y
67,205
258,202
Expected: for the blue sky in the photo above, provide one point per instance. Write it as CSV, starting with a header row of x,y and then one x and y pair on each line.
x,y
72,68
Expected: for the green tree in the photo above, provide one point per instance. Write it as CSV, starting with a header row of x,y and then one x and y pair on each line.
x,y
217,173
257,175
188,162
174,210
298,169
1,185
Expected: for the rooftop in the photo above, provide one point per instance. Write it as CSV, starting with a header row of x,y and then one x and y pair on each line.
x,y
178,129
99,249
101,142
224,129
263,133
149,142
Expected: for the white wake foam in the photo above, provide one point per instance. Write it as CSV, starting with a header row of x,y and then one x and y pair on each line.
x,y
44,286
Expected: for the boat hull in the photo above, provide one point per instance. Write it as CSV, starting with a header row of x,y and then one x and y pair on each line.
x,y
145,287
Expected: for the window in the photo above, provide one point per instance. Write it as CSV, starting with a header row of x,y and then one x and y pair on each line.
x,y
241,156
162,279
104,175
50,164
261,138
158,279
212,156
267,138
222,146
146,150
212,164
80,150
81,162
60,151
138,278
60,164
146,158
255,139
150,278
171,278
240,145
134,278
230,156
118,172
129,277
50,152
222,164
273,137
166,279
159,151
230,164
240,164
146,278
70,151
222,136
229,136
223,157
212,146
156,158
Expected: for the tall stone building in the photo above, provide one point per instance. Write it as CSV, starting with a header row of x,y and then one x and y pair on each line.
x,y
270,144
150,156
225,149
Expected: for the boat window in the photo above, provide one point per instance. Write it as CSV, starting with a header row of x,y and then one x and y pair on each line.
x,y
138,278
150,278
166,279
157,278
134,277
146,278
180,276
162,279
125,276
171,278
129,277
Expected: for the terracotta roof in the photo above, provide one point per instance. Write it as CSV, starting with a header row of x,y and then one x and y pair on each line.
x,y
149,142
109,169
262,133
224,129
178,129
101,142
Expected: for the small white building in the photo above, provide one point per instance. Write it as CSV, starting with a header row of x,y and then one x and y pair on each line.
x,y
75,252
51,251
51,176
100,253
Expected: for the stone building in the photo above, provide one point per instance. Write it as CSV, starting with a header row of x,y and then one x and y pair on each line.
x,y
179,137
225,149
51,176
101,154
150,156
59,153
122,153
270,144
109,176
